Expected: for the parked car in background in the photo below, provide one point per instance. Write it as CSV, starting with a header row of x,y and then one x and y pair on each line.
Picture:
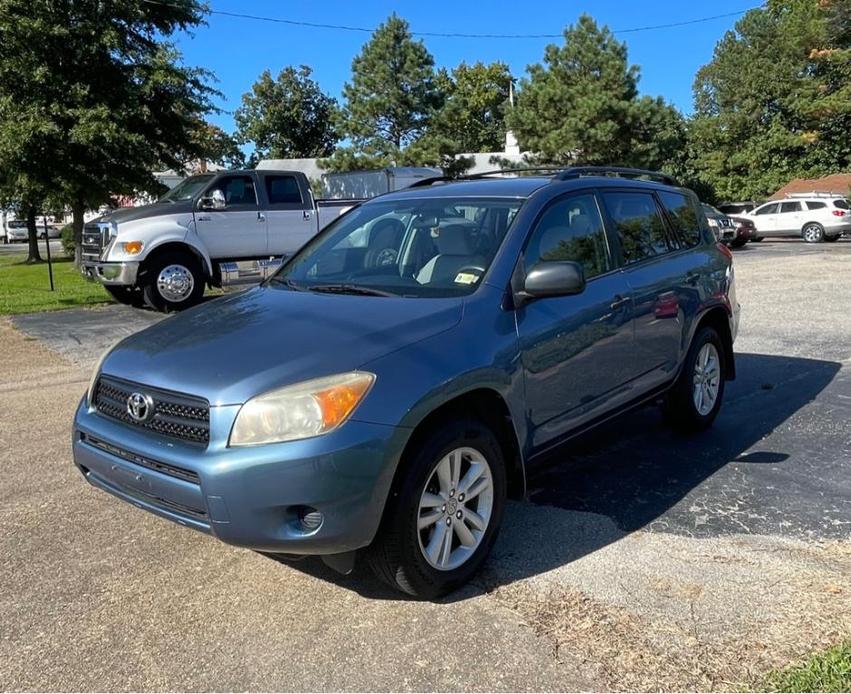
x,y
390,402
16,230
737,208
721,225
815,217
745,231
217,229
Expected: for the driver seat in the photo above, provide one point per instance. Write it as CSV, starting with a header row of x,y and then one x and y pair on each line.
x,y
456,249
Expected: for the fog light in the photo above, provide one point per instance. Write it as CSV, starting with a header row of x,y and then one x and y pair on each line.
x,y
110,272
309,519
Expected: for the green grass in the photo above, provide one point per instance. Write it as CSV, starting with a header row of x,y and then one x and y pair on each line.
x,y
26,288
829,671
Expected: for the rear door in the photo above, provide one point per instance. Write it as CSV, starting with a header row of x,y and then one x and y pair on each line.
x,y
765,218
790,218
575,350
653,273
238,230
289,211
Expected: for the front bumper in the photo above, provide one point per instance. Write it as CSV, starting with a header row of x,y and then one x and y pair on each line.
x,y
111,273
249,497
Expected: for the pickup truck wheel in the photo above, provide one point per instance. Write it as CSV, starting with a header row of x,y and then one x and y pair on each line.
x,y
693,402
813,233
125,295
444,512
173,282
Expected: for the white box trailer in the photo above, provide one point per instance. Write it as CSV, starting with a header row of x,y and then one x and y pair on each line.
x,y
358,185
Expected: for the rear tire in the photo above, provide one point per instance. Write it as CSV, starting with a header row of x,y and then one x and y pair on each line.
x,y
130,296
813,233
693,402
738,243
173,281
410,552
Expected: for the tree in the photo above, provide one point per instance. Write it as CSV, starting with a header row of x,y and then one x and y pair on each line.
x,y
775,101
93,99
582,106
391,98
287,117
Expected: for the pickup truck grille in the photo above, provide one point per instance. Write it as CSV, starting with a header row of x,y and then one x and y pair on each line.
x,y
94,241
179,416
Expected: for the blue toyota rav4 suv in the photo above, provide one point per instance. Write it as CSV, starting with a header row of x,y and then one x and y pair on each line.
x,y
394,381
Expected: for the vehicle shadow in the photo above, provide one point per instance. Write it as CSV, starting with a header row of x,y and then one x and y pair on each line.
x,y
630,474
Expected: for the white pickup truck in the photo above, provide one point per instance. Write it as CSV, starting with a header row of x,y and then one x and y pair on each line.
x,y
217,229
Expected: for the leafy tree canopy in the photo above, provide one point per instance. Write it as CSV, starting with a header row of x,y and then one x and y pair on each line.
x,y
287,117
775,101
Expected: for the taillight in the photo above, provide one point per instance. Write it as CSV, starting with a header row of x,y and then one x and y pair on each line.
x,y
726,251
838,213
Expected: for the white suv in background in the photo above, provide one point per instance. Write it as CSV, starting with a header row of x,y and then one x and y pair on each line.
x,y
815,217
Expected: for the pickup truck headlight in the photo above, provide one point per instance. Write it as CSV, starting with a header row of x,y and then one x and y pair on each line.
x,y
300,411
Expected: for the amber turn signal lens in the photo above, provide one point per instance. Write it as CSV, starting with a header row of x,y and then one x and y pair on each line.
x,y
132,247
338,402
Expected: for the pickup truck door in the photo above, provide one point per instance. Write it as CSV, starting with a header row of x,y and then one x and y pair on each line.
x,y
290,212
239,229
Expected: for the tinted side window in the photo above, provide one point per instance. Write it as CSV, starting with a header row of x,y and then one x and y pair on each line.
x,y
571,229
768,209
812,205
238,190
638,225
842,204
282,189
683,216
790,207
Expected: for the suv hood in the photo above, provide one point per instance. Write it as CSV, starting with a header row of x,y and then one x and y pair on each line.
x,y
234,348
157,209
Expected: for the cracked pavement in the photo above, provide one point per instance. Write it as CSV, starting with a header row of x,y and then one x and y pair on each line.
x,y
643,560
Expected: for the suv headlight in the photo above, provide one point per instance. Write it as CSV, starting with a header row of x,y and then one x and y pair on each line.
x,y
300,411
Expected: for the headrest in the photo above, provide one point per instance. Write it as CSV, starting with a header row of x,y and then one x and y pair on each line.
x,y
455,239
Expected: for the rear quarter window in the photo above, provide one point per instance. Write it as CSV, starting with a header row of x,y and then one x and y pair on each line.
x,y
683,217
842,204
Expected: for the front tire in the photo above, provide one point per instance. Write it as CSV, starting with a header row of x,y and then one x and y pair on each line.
x,y
444,512
831,239
693,402
813,233
173,282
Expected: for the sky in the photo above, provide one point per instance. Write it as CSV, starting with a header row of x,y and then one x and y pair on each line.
x,y
237,50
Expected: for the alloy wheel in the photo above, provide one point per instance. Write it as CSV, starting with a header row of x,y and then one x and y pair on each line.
x,y
455,508
707,379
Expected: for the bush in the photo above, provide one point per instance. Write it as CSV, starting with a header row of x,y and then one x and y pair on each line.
x,y
67,235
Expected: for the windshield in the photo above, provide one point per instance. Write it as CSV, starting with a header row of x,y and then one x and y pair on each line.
x,y
418,248
17,224
187,189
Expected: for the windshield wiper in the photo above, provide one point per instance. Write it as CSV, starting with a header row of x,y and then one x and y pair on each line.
x,y
288,283
349,289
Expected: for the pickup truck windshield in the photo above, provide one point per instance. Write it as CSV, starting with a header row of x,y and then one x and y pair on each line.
x,y
187,188
418,248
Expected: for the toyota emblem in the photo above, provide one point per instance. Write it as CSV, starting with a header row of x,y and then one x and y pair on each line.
x,y
140,407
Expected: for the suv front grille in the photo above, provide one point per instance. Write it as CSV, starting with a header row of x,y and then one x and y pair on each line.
x,y
181,417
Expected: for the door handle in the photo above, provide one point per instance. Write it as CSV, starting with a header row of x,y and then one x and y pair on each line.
x,y
204,218
618,301
261,217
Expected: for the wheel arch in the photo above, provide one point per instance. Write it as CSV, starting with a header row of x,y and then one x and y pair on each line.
x,y
718,318
488,405
180,247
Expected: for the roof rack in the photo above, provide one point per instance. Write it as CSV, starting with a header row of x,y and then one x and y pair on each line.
x,y
623,171
815,194
558,173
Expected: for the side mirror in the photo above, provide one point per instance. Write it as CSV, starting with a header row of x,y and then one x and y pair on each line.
x,y
553,278
214,201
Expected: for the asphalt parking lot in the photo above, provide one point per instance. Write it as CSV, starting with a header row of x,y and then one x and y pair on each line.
x,y
641,559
